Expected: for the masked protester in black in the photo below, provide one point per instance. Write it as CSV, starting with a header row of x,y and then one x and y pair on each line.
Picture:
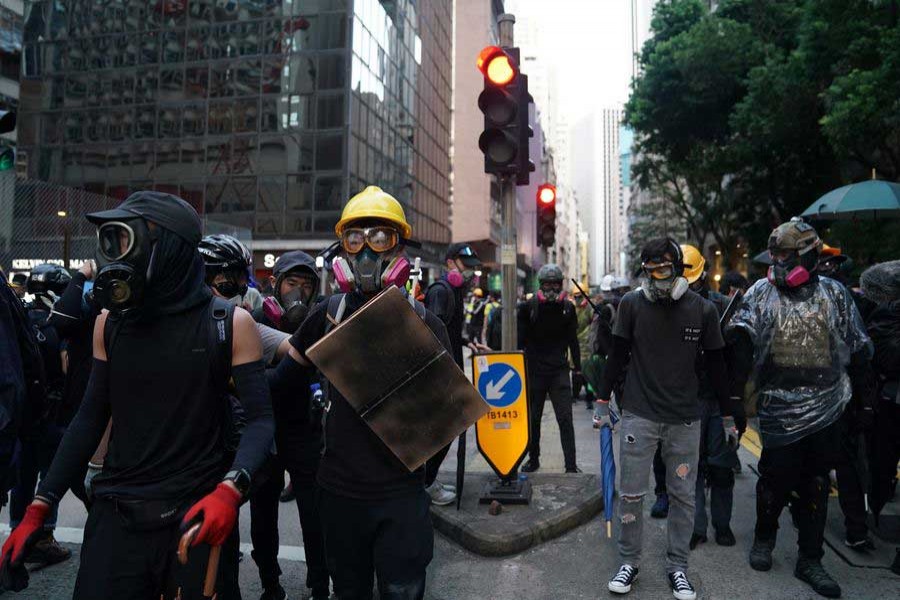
x,y
446,299
298,439
375,512
38,444
806,345
548,332
160,374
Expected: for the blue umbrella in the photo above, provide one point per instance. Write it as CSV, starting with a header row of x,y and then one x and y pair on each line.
x,y
608,471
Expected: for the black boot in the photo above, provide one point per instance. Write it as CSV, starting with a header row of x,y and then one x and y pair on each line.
x,y
531,466
812,572
761,554
273,591
47,551
697,539
725,537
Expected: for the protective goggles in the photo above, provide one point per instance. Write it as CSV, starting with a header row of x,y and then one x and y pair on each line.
x,y
115,240
659,271
379,239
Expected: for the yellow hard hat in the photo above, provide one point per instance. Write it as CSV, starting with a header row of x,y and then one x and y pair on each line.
x,y
374,203
478,293
694,263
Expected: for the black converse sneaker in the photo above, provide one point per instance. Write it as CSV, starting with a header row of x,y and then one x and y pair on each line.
x,y
681,587
621,583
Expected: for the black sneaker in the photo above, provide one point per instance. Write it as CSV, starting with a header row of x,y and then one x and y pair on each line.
x,y
47,551
274,592
287,494
697,539
531,466
574,469
725,537
812,572
761,554
860,545
681,587
621,582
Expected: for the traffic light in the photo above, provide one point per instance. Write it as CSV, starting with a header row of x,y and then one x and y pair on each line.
x,y
504,102
546,215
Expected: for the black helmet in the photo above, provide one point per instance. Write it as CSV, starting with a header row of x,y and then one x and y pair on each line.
x,y
48,278
550,272
224,253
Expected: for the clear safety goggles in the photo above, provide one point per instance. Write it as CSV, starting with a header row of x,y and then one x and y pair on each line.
x,y
379,239
115,240
659,271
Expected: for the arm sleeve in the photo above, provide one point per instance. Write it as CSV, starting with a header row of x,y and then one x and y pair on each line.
x,y
718,376
82,436
66,314
523,318
574,345
615,366
256,438
712,331
271,339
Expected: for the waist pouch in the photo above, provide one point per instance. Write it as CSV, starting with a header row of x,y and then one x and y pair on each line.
x,y
150,515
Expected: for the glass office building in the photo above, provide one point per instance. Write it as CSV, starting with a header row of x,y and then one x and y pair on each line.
x,y
264,115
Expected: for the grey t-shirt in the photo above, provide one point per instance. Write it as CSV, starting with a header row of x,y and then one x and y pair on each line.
x,y
661,383
271,339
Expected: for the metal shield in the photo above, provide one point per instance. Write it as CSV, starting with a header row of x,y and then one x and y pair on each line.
x,y
399,378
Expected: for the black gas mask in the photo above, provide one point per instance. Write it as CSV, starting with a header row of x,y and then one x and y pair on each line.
x,y
124,261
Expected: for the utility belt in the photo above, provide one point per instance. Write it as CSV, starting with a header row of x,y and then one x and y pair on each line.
x,y
149,515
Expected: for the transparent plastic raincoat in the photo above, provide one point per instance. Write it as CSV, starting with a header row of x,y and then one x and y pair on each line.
x,y
803,340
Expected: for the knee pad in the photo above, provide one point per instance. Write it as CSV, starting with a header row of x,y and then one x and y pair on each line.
x,y
720,477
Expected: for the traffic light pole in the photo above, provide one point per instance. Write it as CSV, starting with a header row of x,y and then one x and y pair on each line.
x,y
508,266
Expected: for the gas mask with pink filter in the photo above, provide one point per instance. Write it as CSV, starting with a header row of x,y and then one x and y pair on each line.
x,y
373,260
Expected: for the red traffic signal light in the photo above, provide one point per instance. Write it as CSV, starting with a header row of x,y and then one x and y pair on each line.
x,y
546,193
497,66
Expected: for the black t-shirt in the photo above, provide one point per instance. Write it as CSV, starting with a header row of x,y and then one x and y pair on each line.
x,y
548,335
355,462
446,303
662,383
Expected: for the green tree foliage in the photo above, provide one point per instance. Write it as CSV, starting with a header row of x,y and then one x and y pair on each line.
x,y
746,115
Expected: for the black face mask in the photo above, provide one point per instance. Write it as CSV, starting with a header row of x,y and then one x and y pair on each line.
x,y
231,288
295,309
124,259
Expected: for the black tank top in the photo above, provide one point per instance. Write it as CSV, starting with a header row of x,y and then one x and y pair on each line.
x,y
166,409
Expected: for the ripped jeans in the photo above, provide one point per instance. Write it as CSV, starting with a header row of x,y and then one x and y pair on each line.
x,y
680,453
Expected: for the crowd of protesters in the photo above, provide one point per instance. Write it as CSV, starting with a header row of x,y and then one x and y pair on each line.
x,y
810,357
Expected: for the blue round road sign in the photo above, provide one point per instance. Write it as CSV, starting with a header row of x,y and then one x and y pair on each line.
x,y
500,385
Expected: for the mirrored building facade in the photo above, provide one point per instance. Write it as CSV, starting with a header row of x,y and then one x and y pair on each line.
x,y
265,115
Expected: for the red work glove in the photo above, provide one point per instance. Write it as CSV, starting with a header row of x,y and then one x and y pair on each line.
x,y
23,536
217,511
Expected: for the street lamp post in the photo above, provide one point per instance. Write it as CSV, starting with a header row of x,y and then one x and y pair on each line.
x,y
62,215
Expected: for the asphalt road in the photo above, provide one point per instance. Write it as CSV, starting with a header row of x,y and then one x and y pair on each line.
x,y
574,566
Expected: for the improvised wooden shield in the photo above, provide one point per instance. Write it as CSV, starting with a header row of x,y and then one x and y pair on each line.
x,y
399,378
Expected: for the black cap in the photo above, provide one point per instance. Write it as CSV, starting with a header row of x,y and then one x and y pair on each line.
x,y
463,252
296,259
168,211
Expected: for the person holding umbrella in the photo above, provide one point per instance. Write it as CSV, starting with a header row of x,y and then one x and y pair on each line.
x,y
804,340
164,352
660,331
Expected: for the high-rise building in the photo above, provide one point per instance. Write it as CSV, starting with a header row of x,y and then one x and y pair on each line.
x,y
11,25
265,115
596,171
475,195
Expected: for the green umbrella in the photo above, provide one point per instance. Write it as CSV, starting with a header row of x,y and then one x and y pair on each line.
x,y
871,199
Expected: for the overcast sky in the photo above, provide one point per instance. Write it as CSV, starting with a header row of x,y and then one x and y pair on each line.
x,y
590,44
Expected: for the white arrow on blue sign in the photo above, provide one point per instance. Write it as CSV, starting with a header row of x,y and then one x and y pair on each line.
x,y
500,385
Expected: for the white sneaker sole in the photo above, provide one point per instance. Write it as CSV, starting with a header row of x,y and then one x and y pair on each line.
x,y
618,588
685,595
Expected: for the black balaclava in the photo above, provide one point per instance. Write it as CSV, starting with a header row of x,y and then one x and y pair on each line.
x,y
176,277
